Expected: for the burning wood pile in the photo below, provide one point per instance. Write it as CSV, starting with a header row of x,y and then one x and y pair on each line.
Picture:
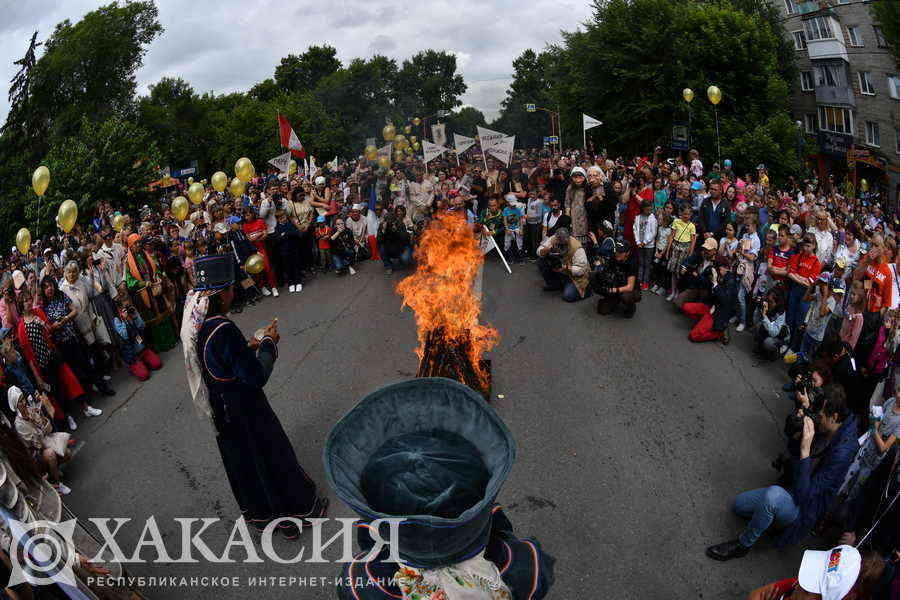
x,y
451,340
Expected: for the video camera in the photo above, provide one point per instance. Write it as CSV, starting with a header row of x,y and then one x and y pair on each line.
x,y
794,422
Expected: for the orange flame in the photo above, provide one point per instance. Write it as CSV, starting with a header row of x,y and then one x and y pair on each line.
x,y
440,291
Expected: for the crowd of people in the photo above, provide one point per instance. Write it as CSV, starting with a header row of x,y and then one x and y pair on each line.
x,y
807,269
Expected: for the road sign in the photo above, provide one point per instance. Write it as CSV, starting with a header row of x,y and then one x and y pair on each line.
x,y
680,136
552,139
531,108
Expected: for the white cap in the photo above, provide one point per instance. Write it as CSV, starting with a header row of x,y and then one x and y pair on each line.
x,y
320,180
830,573
12,395
578,171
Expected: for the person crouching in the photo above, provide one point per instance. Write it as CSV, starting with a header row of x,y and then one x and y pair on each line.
x,y
130,328
713,320
616,283
564,266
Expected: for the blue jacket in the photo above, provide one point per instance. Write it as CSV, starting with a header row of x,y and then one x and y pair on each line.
x,y
813,490
714,219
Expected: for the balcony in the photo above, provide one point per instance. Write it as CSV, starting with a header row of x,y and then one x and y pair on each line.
x,y
825,49
804,8
836,96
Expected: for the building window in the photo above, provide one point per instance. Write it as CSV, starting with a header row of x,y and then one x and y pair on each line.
x,y
873,133
894,86
790,7
865,83
809,120
835,119
806,81
879,37
799,40
833,75
855,36
818,28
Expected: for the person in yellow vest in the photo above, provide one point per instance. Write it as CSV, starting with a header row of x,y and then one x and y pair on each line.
x,y
564,266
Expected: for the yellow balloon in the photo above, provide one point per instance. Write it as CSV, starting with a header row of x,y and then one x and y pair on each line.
x,y
190,180
40,180
203,181
371,152
118,222
415,146
237,187
219,181
388,132
292,167
408,150
864,185
180,208
67,215
417,121
23,241
398,156
400,142
384,161
255,264
714,94
195,192
413,139
687,94
407,130
244,170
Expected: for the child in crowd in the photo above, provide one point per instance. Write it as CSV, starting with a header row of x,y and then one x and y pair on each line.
x,y
513,238
661,273
323,239
645,227
287,236
681,245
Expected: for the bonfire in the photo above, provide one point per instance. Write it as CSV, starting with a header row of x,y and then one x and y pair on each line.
x,y
451,340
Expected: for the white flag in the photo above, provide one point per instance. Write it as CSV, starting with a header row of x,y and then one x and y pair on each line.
x,y
333,165
489,138
503,149
589,122
282,162
431,151
462,143
305,168
439,134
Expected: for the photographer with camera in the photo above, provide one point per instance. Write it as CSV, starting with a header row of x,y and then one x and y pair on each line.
x,y
615,280
130,329
820,452
564,266
714,319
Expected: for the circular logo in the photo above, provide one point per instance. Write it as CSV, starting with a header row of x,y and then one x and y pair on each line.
x,y
43,552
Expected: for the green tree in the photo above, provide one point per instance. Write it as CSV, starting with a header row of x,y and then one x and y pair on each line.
x,y
302,73
887,15
633,82
530,85
428,82
111,160
464,121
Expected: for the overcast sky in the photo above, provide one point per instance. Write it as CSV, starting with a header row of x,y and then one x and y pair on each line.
x,y
228,45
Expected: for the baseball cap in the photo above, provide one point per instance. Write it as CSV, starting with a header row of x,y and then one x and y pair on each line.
x,y
840,263
830,573
795,229
696,186
710,244
320,219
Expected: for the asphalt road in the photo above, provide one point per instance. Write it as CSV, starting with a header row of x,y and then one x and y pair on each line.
x,y
631,439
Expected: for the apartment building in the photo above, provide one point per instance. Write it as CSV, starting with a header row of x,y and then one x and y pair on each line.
x,y
847,94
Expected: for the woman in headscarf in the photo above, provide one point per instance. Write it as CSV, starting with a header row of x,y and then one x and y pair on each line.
x,y
91,327
576,196
48,449
226,376
144,280
50,369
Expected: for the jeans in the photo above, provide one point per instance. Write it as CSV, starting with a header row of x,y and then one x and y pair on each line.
x,y
532,238
766,342
645,264
742,304
808,347
796,310
558,281
341,260
395,262
764,507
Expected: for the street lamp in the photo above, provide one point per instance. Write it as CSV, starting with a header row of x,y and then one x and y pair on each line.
x,y
531,107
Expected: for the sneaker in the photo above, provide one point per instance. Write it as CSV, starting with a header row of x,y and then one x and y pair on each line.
x,y
62,488
90,411
783,349
266,292
107,378
727,551
352,270
791,357
670,297
291,289
740,327
298,288
388,271
275,292
72,424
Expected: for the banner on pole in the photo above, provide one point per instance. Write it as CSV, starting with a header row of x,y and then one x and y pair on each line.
x,y
462,143
282,162
432,151
289,137
503,149
439,134
489,138
589,122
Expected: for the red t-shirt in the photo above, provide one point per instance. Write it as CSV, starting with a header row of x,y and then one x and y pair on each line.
x,y
323,235
774,591
780,259
879,295
805,266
